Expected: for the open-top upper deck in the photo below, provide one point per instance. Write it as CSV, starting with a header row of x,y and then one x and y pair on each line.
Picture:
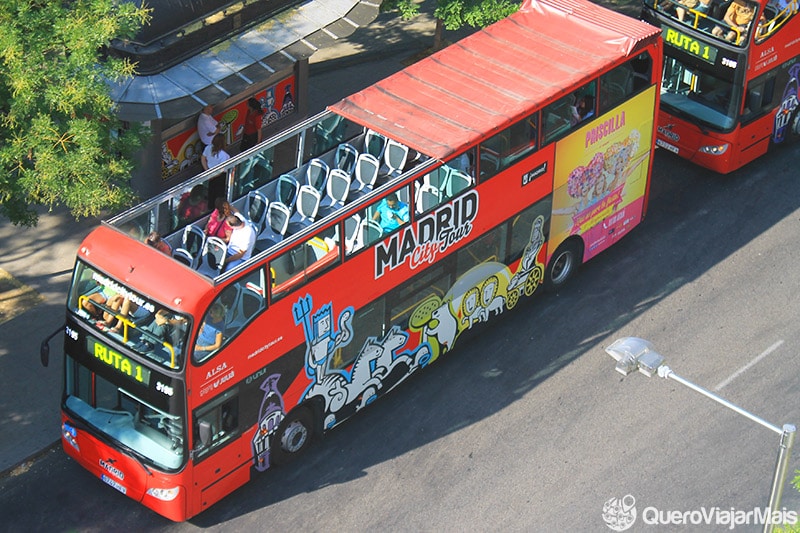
x,y
403,126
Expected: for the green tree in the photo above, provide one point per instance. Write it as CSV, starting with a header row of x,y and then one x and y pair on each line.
x,y
454,14
60,140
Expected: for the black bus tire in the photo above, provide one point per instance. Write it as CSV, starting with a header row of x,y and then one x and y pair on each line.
x,y
293,437
563,264
793,134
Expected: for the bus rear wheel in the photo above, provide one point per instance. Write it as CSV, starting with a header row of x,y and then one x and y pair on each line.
x,y
293,436
563,265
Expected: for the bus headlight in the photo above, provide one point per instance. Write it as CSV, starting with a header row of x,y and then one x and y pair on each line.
x,y
70,435
715,149
166,495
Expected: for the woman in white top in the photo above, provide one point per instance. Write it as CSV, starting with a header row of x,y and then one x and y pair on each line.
x,y
214,154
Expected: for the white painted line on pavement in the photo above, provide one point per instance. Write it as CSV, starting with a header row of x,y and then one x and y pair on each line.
x,y
748,366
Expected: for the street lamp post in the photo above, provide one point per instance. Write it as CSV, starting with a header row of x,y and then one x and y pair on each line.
x,y
632,354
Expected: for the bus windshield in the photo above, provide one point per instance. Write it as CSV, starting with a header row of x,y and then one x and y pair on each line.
x,y
152,434
690,92
122,316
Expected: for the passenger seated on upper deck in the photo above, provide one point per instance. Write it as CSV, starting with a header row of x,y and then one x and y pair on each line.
x,y
217,225
101,297
159,329
192,205
210,336
739,16
123,307
391,213
155,240
583,109
242,241
701,6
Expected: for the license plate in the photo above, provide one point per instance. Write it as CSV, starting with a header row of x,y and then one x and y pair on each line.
x,y
113,483
667,146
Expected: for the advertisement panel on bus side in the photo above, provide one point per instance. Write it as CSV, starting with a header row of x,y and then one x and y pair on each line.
x,y
601,176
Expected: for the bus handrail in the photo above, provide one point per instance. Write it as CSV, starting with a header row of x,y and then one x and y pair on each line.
x,y
128,323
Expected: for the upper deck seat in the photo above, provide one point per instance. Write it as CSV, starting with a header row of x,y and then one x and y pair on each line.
x,y
394,158
255,209
338,189
374,144
193,240
317,174
212,261
457,181
286,190
366,170
345,157
308,200
278,216
184,256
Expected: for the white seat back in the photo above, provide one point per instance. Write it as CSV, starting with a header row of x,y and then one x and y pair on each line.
x,y
317,174
345,158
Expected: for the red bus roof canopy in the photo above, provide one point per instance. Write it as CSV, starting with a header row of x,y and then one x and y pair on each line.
x,y
451,100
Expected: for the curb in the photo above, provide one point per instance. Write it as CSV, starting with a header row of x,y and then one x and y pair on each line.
x,y
10,471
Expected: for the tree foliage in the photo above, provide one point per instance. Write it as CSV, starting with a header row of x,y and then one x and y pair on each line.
x,y
454,14
60,139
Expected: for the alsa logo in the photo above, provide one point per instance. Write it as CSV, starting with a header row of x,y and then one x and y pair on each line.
x,y
433,234
220,368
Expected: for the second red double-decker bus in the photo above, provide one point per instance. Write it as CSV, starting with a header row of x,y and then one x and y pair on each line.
x,y
371,238
730,87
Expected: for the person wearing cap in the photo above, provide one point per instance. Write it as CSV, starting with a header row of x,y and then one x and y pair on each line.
x,y
242,241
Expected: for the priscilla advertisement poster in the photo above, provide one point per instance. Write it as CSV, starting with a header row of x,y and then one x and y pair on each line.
x,y
601,175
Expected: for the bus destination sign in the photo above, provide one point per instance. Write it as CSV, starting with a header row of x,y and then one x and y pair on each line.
x,y
690,45
124,365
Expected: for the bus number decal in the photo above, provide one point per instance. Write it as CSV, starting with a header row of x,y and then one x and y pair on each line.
x,y
433,234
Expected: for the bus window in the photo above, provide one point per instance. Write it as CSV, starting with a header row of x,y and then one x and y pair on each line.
x,y
124,316
384,217
328,134
404,299
699,94
151,432
367,320
509,146
216,423
253,173
526,235
616,86
557,118
759,97
297,266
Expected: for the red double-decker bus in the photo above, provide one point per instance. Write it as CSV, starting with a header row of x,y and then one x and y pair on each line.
x,y
371,238
730,87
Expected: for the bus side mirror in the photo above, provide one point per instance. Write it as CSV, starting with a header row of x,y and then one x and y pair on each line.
x,y
44,353
44,349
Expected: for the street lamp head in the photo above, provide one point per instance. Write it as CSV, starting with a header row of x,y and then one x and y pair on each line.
x,y
633,353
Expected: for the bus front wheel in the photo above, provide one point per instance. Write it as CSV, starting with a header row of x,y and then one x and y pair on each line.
x,y
794,126
293,436
563,265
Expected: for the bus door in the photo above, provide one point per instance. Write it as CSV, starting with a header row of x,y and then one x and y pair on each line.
x,y
221,460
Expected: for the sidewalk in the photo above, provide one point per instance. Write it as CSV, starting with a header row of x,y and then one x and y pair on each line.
x,y
42,258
